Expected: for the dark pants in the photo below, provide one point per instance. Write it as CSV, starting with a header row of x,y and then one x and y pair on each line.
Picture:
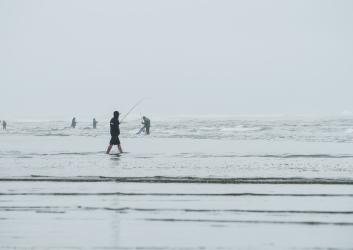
x,y
114,140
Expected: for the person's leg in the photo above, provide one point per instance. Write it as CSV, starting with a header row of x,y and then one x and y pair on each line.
x,y
109,148
120,149
148,130
140,131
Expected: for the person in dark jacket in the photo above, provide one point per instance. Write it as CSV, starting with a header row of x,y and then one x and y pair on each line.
x,y
94,123
146,125
114,132
4,124
73,123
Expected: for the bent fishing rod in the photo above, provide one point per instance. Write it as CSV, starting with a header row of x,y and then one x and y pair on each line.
x,y
132,108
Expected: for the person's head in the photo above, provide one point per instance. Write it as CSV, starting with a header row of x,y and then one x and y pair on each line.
x,y
116,114
144,117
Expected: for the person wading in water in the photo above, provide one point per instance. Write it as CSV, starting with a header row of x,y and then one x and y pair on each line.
x,y
94,123
114,132
73,123
4,124
146,125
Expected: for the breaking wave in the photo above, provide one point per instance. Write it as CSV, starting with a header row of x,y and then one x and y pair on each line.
x,y
241,128
236,128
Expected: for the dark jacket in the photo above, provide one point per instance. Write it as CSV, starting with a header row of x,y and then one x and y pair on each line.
x,y
146,122
114,126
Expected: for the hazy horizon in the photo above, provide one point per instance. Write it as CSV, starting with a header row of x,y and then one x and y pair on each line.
x,y
60,59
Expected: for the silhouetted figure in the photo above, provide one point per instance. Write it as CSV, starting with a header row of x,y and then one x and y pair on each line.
x,y
146,125
73,123
114,132
4,124
94,123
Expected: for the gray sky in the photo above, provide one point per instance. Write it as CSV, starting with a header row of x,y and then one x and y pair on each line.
x,y
87,58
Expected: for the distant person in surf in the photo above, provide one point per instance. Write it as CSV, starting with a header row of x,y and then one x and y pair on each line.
x,y
146,125
94,123
4,124
73,123
114,132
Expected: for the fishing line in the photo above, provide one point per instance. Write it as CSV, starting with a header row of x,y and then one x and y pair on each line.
x,y
132,108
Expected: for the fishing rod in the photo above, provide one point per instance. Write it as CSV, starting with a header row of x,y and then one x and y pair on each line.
x,y
132,108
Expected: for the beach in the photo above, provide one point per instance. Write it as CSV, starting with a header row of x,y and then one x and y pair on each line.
x,y
195,183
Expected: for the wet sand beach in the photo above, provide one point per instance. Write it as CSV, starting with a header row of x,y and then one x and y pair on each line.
x,y
63,192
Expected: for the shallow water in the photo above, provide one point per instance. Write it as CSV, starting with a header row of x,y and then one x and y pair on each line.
x,y
215,183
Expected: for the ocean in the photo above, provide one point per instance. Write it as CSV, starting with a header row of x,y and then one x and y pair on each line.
x,y
216,182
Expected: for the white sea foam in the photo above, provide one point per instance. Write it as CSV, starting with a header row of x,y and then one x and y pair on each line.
x,y
240,128
315,129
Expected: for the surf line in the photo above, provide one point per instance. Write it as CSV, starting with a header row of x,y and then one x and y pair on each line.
x,y
132,108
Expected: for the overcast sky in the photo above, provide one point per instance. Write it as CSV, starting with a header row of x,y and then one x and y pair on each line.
x,y
87,58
